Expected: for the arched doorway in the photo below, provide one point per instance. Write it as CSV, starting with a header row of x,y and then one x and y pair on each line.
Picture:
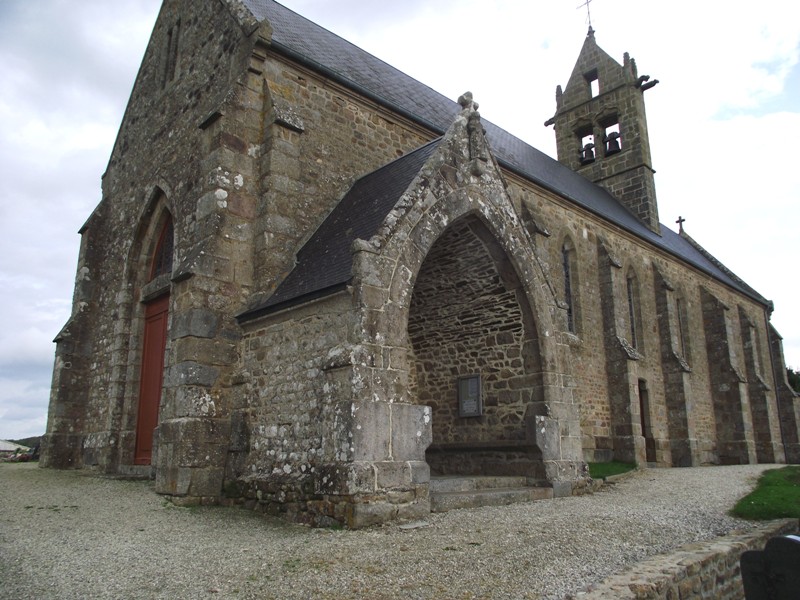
x,y
154,343
475,356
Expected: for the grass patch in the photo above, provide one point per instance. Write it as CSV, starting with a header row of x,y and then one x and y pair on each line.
x,y
777,496
606,469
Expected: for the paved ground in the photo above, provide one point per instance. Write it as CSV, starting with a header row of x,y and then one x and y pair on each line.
x,y
66,534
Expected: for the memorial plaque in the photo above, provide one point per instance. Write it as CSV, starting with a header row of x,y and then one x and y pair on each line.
x,y
470,403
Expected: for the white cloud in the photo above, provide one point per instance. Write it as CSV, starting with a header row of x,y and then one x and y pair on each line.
x,y
67,69
23,405
28,346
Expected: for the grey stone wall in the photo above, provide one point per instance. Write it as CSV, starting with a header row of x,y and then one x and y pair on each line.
x,y
463,322
658,365
319,138
290,422
788,400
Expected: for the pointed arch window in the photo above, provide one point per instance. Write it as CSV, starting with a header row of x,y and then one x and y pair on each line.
x,y
569,271
681,323
171,54
753,344
162,256
634,313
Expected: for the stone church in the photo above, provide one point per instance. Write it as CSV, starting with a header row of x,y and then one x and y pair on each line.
x,y
313,285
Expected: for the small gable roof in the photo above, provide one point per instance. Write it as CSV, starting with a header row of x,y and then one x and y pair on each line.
x,y
319,49
325,262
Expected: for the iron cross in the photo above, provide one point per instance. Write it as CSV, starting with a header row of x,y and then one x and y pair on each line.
x,y
588,10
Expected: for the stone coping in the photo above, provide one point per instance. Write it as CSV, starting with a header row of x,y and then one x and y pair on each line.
x,y
707,569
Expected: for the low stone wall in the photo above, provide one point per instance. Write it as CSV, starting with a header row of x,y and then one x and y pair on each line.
x,y
700,570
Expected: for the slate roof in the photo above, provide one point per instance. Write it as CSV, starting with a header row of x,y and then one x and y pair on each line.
x,y
318,48
325,261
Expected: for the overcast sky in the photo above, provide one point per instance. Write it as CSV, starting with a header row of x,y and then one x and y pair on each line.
x,y
724,128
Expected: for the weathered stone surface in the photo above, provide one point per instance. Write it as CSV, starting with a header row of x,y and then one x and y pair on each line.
x,y
198,322
411,431
371,434
363,515
192,373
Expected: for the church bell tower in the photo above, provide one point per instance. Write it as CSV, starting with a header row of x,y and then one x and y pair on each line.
x,y
601,129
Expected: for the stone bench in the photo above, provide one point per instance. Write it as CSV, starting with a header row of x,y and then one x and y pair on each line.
x,y
516,458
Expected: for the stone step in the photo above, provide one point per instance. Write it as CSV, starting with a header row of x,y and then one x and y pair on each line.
x,y
466,483
452,500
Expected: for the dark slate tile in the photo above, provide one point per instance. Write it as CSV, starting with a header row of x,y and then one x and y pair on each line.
x,y
325,262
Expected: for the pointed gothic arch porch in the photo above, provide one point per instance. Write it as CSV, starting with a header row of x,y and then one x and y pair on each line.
x,y
469,318
545,444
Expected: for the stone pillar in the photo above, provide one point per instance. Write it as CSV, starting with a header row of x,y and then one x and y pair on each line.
x,y
380,473
677,378
735,444
766,430
621,365
209,287
62,445
192,437
787,399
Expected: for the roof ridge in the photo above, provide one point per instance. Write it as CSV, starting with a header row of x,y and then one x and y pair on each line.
x,y
718,264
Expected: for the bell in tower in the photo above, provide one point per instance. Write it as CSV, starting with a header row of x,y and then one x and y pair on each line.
x,y
601,129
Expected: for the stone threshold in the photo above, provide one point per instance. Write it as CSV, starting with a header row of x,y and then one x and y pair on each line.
x,y
456,492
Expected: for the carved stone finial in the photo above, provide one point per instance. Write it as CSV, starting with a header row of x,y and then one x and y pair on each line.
x,y
477,144
475,134
465,100
559,98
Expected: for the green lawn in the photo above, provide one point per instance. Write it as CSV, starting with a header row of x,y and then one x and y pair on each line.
x,y
606,469
776,496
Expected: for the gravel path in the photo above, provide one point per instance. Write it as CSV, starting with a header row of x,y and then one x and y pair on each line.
x,y
68,534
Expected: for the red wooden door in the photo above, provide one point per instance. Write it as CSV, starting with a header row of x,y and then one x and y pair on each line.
x,y
152,376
